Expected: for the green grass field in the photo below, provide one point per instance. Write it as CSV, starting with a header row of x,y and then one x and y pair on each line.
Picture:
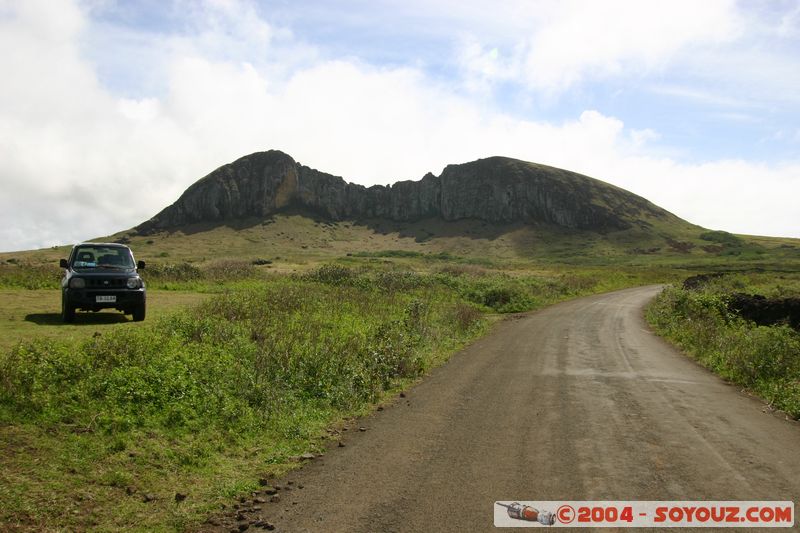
x,y
28,315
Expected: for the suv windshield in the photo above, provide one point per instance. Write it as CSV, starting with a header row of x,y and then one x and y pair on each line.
x,y
102,257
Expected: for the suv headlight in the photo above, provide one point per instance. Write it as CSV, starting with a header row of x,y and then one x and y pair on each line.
x,y
134,283
77,283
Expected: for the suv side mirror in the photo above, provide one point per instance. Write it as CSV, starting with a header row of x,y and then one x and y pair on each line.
x,y
140,265
63,263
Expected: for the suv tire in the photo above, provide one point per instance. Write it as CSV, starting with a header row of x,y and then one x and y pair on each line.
x,y
138,313
67,312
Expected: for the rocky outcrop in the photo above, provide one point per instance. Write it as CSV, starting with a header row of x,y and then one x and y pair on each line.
x,y
766,311
496,189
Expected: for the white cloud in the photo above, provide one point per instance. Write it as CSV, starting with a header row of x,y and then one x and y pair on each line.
x,y
78,161
789,26
144,110
559,44
705,97
733,195
641,137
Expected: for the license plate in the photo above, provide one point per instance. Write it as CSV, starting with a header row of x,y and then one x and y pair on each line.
x,y
105,299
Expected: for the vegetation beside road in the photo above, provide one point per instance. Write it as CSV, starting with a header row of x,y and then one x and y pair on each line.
x,y
104,429
764,359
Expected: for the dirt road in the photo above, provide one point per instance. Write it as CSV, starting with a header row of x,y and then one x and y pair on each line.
x,y
579,401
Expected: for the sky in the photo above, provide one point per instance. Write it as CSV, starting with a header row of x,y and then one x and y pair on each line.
x,y
110,109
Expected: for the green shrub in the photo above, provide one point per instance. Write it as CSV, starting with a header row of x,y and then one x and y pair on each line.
x,y
331,274
176,272
465,316
229,270
502,294
721,237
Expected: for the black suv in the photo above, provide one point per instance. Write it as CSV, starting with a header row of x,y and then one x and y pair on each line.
x,y
101,276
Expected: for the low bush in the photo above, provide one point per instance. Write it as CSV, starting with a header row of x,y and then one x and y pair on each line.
x,y
229,270
19,275
175,272
721,237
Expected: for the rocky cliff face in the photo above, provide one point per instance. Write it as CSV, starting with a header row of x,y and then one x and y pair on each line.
x,y
496,189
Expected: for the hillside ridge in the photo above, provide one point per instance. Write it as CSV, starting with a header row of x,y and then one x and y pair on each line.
x,y
495,189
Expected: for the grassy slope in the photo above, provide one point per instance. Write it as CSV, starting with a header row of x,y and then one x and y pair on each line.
x,y
297,241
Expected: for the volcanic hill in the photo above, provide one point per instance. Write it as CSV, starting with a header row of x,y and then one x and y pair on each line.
x,y
498,190
268,209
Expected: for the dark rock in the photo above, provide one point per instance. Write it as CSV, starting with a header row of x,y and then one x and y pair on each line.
x,y
270,490
341,444
146,498
766,311
275,499
179,497
694,283
495,189
683,247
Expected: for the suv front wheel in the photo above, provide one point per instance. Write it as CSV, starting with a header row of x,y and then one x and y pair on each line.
x,y
67,311
138,313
